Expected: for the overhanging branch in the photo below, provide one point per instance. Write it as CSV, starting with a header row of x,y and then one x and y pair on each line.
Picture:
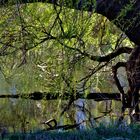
x,y
112,55
105,58
112,9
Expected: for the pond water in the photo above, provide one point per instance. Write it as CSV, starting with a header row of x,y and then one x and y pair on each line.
x,y
28,115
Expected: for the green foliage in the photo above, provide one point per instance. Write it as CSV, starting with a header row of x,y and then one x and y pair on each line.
x,y
44,43
43,48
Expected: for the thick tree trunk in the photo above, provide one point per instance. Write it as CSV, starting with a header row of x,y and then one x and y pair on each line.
x,y
131,99
133,74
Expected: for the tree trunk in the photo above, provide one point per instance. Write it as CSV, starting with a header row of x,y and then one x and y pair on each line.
x,y
133,74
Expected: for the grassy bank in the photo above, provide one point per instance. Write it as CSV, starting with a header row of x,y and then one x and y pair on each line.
x,y
101,132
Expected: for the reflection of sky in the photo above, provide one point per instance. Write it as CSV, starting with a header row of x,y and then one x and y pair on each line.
x,y
4,87
13,92
13,89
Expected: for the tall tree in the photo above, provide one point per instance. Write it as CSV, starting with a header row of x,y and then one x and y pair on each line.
x,y
125,15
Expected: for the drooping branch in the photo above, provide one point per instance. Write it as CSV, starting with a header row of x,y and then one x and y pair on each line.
x,y
123,13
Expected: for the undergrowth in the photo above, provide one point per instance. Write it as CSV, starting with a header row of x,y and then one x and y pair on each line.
x,y
102,132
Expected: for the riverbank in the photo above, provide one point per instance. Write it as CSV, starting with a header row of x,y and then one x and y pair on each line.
x,y
102,132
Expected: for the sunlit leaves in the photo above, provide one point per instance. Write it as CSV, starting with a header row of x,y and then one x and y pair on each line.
x,y
45,44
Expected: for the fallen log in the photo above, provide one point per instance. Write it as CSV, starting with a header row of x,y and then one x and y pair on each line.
x,y
64,96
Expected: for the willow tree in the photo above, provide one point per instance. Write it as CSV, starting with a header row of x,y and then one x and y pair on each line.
x,y
123,13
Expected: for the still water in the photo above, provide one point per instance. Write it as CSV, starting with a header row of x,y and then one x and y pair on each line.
x,y
28,115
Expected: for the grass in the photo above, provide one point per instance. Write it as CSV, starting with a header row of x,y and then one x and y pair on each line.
x,y
101,132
